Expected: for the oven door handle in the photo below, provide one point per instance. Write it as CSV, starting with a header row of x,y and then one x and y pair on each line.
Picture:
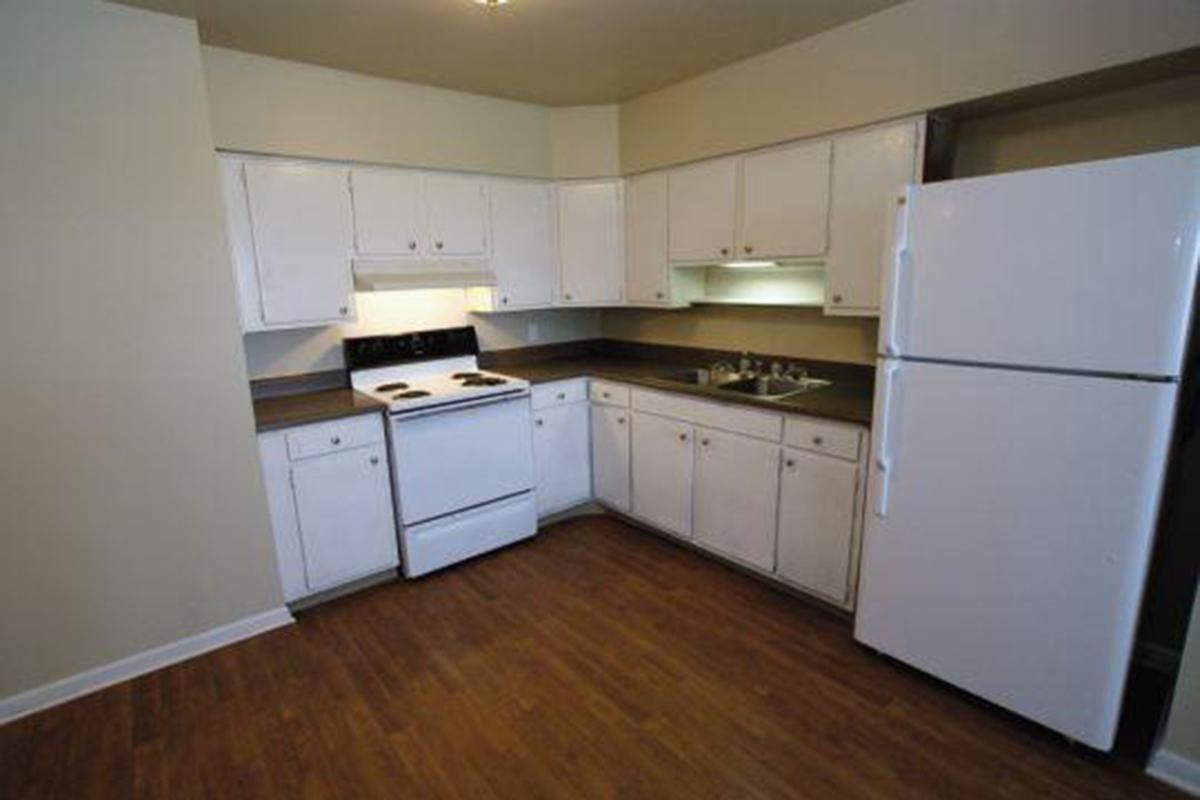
x,y
444,408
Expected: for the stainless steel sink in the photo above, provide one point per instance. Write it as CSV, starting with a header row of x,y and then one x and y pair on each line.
x,y
770,388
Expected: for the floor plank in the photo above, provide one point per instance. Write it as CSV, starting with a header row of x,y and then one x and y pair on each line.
x,y
594,661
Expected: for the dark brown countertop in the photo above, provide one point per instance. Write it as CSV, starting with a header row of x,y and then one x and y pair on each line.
x,y
849,398
272,413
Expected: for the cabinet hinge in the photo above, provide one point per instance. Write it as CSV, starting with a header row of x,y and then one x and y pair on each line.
x,y
292,479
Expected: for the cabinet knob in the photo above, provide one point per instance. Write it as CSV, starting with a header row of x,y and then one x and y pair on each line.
x,y
374,461
335,440
790,463
724,251
538,422
504,300
561,396
704,442
620,420
344,310
438,245
412,245
605,395
818,440
683,437
658,295
748,249
837,298
567,296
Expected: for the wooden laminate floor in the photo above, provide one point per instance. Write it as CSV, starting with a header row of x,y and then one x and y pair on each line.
x,y
593,661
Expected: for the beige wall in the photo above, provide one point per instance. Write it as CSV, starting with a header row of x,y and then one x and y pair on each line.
x,y
919,55
799,332
586,141
1156,116
134,512
290,352
1183,725
267,105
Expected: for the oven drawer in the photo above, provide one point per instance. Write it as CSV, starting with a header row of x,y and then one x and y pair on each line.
x,y
329,437
456,458
451,539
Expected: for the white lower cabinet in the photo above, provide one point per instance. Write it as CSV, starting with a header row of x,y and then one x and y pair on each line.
x,y
610,456
662,473
736,493
819,511
330,496
560,449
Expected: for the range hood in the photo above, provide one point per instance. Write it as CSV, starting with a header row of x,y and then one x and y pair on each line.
x,y
384,274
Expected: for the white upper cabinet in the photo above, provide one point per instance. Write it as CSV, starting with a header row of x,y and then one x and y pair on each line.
x,y
646,268
523,252
389,217
736,496
457,206
702,210
785,202
301,228
591,242
869,169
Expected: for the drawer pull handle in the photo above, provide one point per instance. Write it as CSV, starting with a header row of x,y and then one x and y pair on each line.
x,y
538,422
374,461
620,420
704,442
818,440
561,395
335,440
790,462
683,437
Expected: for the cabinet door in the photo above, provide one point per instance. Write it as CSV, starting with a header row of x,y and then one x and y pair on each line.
x,y
591,242
646,270
702,211
662,473
785,202
300,217
387,212
560,449
610,456
523,243
737,490
869,169
457,215
816,522
344,511
241,242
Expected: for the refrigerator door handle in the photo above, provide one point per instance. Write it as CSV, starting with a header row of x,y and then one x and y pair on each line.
x,y
883,456
897,268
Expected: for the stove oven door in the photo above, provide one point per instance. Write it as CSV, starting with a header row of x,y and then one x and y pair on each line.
x,y
449,459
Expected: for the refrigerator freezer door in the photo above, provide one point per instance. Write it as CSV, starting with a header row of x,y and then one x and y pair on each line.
x,y
1013,544
1089,267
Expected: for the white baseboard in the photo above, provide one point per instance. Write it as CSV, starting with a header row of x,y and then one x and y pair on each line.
x,y
1180,772
51,694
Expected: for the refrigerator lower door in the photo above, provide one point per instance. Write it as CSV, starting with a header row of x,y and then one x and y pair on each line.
x,y
1088,267
1008,530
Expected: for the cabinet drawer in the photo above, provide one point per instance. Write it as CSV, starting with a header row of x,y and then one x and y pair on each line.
x,y
548,395
830,438
746,421
329,437
613,394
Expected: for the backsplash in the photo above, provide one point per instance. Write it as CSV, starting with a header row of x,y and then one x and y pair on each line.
x,y
276,353
794,332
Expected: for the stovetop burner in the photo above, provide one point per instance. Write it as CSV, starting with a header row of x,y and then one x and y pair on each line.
x,y
411,394
391,387
483,381
463,376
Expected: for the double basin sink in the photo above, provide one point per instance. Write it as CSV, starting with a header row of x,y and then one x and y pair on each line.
x,y
766,387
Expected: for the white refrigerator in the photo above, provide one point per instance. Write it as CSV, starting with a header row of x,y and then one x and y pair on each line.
x,y
1031,342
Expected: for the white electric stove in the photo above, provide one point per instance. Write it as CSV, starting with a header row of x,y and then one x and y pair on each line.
x,y
461,444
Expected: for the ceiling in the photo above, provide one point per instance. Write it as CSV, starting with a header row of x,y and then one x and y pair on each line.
x,y
553,52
